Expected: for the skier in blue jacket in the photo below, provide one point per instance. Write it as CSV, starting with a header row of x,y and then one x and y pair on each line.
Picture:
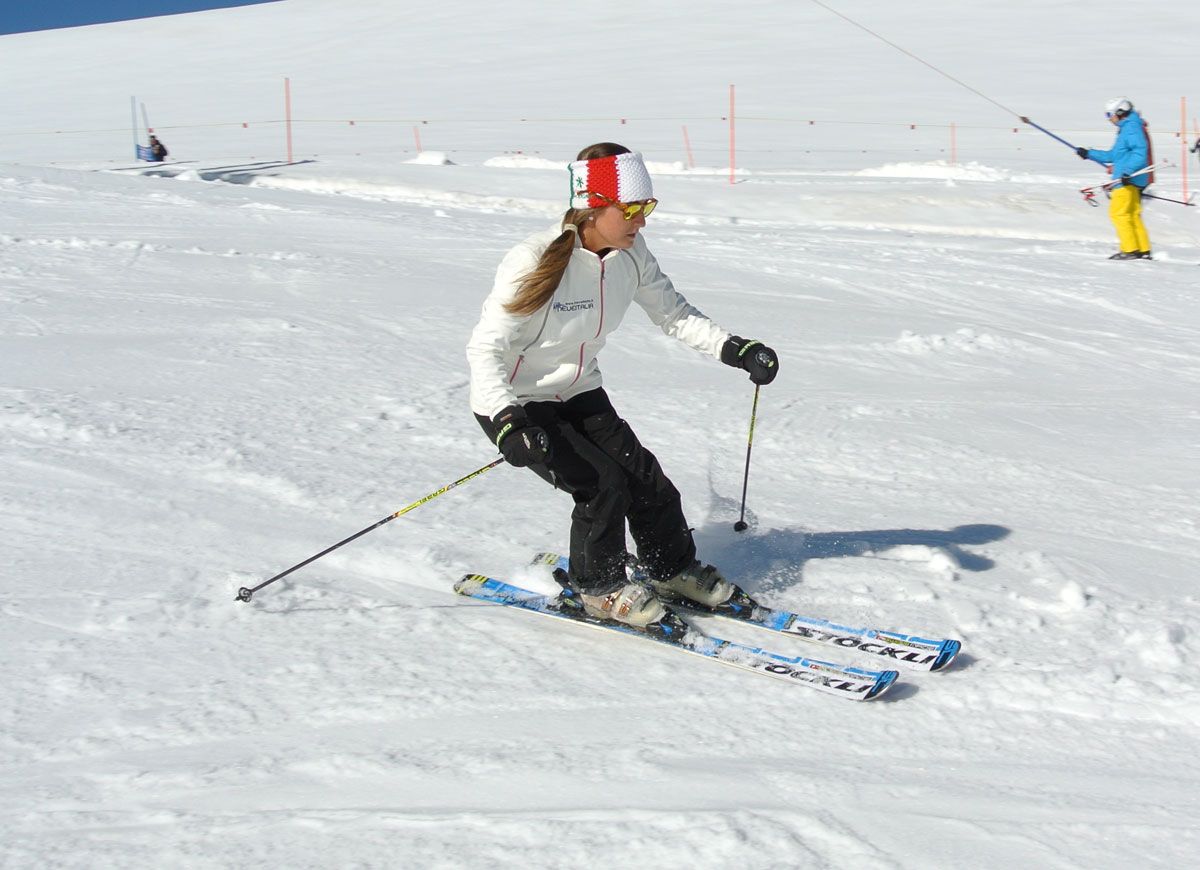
x,y
1130,153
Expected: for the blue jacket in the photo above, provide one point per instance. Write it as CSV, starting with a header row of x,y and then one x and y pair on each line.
x,y
1130,153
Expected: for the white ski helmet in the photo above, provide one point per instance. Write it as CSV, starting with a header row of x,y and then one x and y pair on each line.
x,y
1119,106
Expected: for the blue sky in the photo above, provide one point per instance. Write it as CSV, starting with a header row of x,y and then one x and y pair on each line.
x,y
19,17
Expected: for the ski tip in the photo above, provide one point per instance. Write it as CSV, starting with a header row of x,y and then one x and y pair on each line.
x,y
948,651
469,583
883,682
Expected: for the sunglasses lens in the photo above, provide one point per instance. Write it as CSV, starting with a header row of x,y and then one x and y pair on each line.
x,y
632,209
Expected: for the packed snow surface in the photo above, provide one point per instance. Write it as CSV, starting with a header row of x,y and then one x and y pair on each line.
x,y
219,366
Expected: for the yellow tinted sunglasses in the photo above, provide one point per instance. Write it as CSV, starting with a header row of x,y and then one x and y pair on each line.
x,y
630,209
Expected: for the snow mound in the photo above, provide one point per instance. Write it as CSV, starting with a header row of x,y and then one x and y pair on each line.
x,y
522,161
937,169
431,158
656,167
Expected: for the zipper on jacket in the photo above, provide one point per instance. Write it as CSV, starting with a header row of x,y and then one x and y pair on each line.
x,y
600,326
583,345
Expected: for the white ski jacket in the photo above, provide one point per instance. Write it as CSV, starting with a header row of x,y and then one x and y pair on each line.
x,y
550,355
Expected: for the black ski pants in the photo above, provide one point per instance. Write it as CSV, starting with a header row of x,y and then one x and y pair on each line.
x,y
597,458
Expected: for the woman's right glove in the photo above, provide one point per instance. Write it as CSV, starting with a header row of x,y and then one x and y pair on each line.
x,y
521,442
755,357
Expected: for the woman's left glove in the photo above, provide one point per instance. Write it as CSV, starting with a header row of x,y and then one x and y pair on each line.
x,y
755,357
521,442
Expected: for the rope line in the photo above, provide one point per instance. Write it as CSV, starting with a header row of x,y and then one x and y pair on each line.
x,y
920,60
359,122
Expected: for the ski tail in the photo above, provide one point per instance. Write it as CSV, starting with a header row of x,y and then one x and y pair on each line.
x,y
947,653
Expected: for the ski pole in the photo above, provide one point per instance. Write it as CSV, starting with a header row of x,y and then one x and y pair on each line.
x,y
1089,193
245,594
1187,201
1115,181
740,525
1058,138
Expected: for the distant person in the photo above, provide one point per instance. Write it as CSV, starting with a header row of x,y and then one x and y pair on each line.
x,y
536,388
1130,153
158,151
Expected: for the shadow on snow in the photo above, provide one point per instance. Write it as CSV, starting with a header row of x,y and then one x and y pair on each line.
x,y
759,556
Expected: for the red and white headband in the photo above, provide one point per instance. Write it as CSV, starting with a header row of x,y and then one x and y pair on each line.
x,y
622,177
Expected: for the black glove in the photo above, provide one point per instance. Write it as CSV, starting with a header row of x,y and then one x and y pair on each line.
x,y
521,442
1082,152
753,356
1125,179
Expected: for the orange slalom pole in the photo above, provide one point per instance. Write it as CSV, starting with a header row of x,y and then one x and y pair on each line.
x,y
287,111
732,161
1183,161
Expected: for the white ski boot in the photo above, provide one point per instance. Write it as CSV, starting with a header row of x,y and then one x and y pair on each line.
x,y
632,604
700,583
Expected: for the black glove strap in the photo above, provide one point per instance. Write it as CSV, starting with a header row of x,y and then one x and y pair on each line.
x,y
508,420
733,351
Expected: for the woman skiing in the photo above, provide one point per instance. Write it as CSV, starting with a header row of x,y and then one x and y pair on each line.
x,y
536,386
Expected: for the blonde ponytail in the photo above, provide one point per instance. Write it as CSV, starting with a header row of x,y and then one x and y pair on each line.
x,y
539,284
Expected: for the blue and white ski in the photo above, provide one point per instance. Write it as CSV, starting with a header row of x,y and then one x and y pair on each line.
x,y
910,651
856,684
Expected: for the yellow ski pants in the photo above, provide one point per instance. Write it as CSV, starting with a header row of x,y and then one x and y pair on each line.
x,y
1125,210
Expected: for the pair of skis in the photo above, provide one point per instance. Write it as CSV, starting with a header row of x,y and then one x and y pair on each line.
x,y
676,631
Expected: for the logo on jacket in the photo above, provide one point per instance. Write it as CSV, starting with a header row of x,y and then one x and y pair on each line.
x,y
575,305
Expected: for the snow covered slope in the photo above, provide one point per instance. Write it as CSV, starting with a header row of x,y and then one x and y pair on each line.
x,y
213,369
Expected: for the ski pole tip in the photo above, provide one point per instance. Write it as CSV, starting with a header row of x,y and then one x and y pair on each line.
x,y
740,526
244,594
